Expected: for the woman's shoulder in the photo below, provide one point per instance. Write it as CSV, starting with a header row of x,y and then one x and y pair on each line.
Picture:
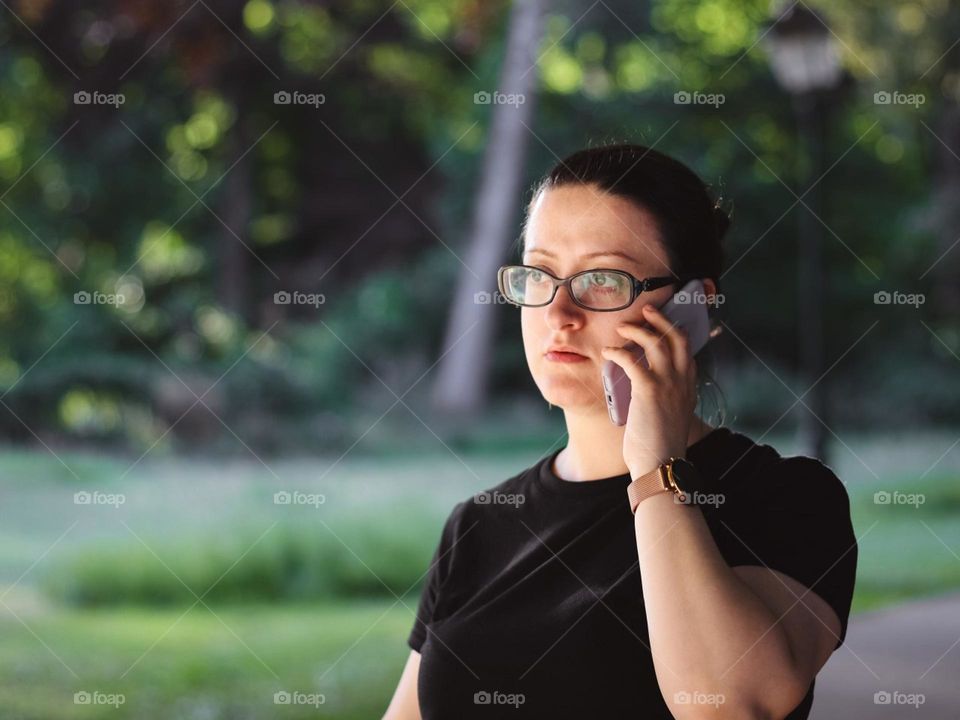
x,y
804,477
785,478
739,464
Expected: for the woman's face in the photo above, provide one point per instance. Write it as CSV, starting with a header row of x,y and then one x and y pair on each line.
x,y
573,228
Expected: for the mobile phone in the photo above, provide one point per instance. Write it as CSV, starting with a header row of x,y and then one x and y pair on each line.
x,y
687,311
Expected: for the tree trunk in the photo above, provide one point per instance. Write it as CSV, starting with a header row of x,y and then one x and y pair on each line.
x,y
235,208
945,271
463,375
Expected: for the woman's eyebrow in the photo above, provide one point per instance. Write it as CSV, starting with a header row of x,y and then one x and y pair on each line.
x,y
599,253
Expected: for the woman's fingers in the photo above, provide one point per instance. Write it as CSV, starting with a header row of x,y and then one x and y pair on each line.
x,y
676,338
684,363
632,364
655,346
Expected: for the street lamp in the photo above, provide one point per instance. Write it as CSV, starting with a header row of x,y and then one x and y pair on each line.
x,y
806,62
803,52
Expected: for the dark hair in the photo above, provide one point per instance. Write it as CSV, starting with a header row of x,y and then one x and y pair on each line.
x,y
690,222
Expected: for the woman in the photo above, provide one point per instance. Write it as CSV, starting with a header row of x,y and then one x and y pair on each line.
x,y
548,597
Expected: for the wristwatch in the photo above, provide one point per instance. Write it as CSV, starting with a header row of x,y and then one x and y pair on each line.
x,y
677,475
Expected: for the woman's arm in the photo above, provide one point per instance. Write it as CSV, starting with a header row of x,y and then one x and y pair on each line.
x,y
716,632
405,705
725,644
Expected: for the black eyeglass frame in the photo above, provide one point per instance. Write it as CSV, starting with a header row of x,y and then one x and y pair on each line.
x,y
636,286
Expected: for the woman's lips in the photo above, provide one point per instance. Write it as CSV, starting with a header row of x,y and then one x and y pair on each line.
x,y
567,357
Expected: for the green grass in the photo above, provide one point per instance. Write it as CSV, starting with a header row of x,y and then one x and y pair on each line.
x,y
378,527
202,667
907,552
358,553
303,595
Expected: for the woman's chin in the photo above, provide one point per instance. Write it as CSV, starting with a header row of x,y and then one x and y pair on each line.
x,y
568,397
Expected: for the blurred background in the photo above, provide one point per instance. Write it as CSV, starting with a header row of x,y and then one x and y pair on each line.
x,y
252,352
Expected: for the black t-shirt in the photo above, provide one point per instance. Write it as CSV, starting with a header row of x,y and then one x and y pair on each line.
x,y
509,624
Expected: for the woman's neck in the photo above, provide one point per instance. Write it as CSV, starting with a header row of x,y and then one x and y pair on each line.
x,y
595,447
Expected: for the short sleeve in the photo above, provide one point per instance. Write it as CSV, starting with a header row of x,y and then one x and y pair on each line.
x,y
437,575
795,518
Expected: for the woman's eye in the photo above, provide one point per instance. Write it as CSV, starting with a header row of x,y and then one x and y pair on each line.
x,y
599,279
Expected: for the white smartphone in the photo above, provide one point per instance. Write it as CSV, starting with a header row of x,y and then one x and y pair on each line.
x,y
688,312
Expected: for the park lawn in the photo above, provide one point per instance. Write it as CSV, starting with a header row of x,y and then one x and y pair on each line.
x,y
907,552
352,651
194,664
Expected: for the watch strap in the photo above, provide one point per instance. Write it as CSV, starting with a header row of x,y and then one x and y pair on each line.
x,y
658,480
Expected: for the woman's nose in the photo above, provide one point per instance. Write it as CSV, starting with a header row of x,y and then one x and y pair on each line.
x,y
563,310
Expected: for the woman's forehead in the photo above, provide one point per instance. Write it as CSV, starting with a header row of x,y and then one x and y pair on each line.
x,y
583,222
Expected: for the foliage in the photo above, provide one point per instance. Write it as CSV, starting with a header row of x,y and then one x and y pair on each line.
x,y
200,197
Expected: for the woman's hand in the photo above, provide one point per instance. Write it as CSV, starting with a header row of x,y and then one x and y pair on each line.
x,y
662,398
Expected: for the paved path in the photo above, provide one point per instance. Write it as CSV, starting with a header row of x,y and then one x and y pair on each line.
x,y
908,649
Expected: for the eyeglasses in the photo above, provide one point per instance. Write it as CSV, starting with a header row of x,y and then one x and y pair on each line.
x,y
599,290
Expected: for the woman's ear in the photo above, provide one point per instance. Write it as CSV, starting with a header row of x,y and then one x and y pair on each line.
x,y
709,287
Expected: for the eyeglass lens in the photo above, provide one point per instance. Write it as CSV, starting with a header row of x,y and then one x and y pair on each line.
x,y
599,289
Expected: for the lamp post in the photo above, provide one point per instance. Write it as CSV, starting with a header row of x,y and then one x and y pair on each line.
x,y
806,63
